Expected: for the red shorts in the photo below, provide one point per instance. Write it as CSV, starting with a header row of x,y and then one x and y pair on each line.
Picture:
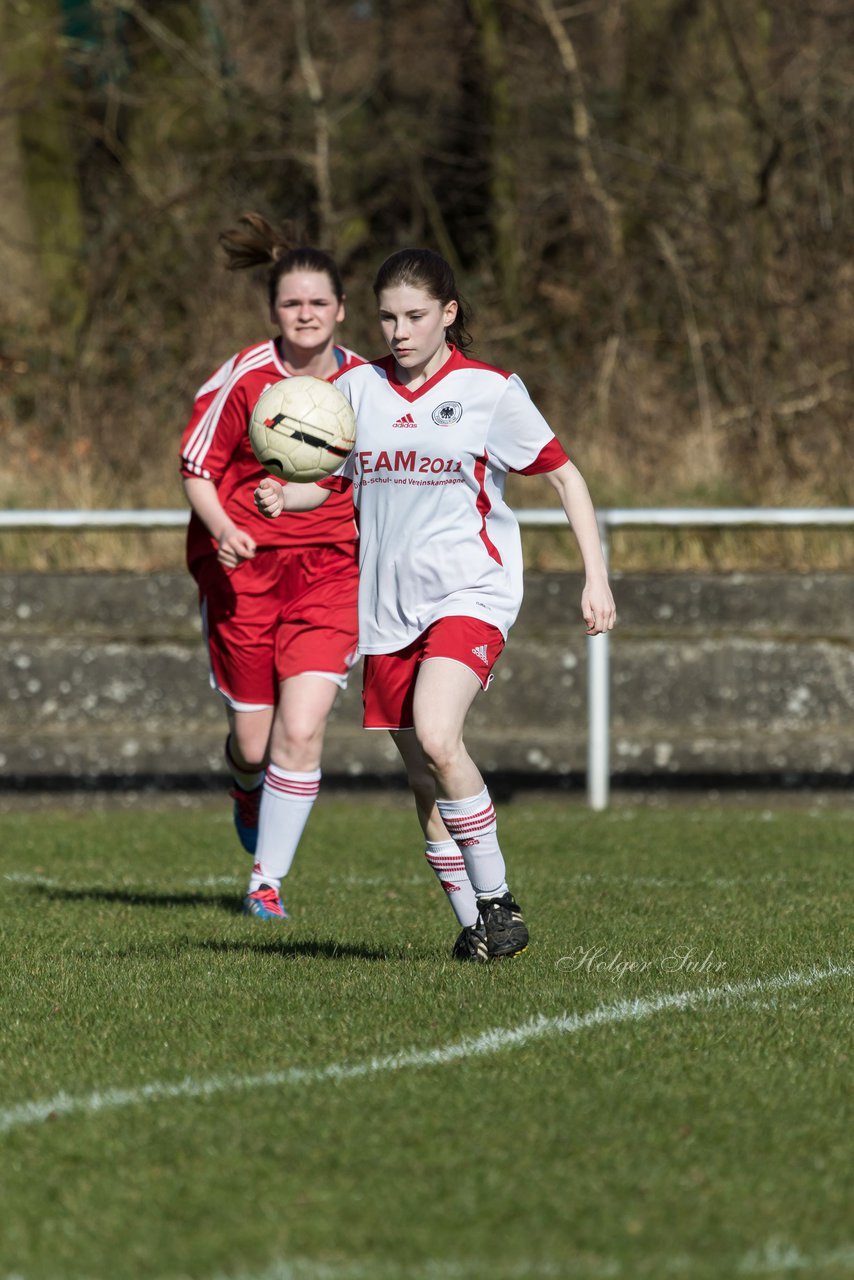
x,y
388,679
283,614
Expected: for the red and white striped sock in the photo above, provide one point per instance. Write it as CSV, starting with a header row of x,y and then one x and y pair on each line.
x,y
286,803
447,862
471,823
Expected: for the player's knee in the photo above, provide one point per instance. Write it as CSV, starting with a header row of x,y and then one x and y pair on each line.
x,y
248,749
298,743
441,750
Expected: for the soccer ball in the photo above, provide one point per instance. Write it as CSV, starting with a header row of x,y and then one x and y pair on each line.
x,y
302,429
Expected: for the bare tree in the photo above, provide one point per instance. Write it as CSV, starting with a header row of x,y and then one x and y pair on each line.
x,y
504,178
22,302
41,231
582,128
322,165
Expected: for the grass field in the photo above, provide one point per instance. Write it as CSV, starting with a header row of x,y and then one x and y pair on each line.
x,y
660,1086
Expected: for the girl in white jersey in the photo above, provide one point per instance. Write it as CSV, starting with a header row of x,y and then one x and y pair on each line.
x,y
278,601
440,565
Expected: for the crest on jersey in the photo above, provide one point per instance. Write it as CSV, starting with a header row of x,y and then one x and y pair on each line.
x,y
448,413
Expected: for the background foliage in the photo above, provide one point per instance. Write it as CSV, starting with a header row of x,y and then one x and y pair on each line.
x,y
649,203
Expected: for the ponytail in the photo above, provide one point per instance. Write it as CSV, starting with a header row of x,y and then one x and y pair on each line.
x,y
256,243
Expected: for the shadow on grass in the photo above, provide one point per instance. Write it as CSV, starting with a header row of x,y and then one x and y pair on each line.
x,y
285,945
135,898
328,948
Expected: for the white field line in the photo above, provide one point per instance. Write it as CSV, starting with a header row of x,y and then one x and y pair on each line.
x,y
206,882
21,877
778,1256
650,882
489,1042
681,882
773,1258
384,882
197,882
429,1269
28,879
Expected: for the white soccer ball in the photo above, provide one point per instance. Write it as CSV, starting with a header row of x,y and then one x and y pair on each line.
x,y
302,429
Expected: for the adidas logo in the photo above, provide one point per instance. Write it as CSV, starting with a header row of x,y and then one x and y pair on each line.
x,y
406,421
480,652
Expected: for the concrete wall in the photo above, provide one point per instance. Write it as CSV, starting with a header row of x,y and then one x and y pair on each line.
x,y
103,677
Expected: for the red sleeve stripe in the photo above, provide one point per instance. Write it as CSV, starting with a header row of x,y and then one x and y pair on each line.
x,y
549,458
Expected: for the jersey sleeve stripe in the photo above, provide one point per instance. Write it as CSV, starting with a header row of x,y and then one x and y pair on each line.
x,y
202,436
193,469
217,379
550,457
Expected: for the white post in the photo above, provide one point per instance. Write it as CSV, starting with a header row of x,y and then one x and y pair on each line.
x,y
598,682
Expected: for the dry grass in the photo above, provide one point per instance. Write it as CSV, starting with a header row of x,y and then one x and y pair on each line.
x,y
631,550
103,432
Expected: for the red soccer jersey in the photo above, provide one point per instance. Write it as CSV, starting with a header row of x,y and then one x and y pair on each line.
x,y
215,446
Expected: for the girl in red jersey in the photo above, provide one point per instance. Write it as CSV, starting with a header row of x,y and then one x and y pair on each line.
x,y
278,601
441,565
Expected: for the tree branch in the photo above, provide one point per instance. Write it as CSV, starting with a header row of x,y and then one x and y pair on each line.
x,y
322,162
581,126
704,400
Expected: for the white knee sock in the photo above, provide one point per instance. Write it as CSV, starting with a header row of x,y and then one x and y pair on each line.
x,y
447,862
285,806
471,823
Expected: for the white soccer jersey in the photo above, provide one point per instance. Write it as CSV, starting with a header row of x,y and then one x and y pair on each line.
x,y
428,470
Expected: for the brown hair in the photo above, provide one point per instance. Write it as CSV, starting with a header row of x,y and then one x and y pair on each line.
x,y
424,269
256,243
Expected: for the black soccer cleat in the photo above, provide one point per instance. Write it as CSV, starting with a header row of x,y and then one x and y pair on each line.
x,y
506,931
471,945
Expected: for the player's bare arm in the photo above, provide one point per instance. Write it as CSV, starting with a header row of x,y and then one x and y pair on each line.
x,y
234,545
272,498
597,602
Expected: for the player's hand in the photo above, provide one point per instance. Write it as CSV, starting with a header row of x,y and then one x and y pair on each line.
x,y
234,546
598,608
270,497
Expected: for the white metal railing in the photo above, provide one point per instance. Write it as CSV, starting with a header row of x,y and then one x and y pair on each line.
x,y
95,519
598,658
